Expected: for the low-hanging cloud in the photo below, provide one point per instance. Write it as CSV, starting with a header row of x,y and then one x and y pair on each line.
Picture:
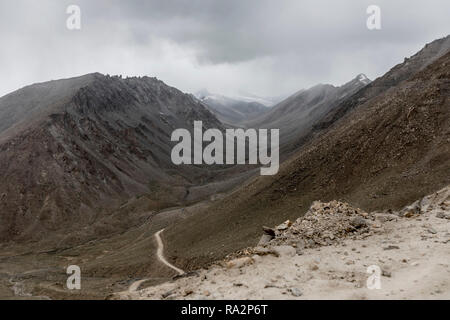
x,y
262,46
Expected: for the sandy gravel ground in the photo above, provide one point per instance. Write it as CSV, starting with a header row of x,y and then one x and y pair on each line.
x,y
412,254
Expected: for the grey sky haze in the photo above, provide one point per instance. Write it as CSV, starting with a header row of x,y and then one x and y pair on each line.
x,y
266,47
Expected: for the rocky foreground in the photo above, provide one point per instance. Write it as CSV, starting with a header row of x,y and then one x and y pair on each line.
x,y
326,255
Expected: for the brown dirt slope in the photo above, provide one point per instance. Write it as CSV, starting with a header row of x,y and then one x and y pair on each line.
x,y
386,153
411,252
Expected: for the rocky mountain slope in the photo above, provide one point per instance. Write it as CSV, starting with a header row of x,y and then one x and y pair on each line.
x,y
296,116
403,71
384,153
70,150
308,112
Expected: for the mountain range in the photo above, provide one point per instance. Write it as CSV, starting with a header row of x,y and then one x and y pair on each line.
x,y
382,147
87,175
298,114
232,111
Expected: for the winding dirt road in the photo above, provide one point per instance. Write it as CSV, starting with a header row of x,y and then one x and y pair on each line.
x,y
160,253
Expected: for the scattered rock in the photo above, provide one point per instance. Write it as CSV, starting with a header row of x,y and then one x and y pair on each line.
x,y
284,226
314,267
285,251
384,217
168,294
272,285
186,275
239,263
442,215
391,248
358,222
262,251
301,244
296,292
324,224
268,235
269,231
411,210
265,239
187,292
386,273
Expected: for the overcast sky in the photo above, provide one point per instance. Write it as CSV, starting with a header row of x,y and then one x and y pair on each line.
x,y
266,47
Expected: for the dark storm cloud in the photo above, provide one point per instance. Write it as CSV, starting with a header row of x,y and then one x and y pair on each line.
x,y
264,46
236,30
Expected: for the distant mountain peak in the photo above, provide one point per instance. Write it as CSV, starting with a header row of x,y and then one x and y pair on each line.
x,y
363,78
242,96
360,80
231,110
